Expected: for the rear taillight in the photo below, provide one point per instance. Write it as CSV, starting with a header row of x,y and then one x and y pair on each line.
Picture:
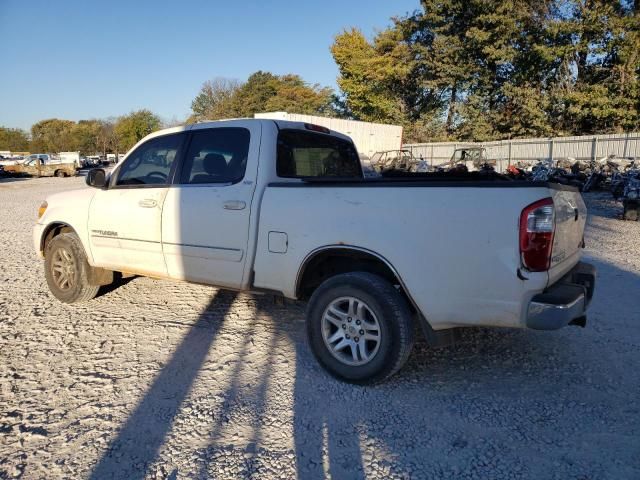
x,y
537,226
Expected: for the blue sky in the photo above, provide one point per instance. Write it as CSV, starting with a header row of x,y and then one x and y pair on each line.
x,y
93,59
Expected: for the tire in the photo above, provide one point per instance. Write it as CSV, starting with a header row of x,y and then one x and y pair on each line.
x,y
65,259
383,305
60,174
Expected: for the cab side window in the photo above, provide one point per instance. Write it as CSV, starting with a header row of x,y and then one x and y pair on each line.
x,y
216,155
151,162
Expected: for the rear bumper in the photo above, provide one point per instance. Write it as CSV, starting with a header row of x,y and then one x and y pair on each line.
x,y
565,302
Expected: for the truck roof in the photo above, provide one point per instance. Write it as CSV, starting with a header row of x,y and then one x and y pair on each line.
x,y
282,124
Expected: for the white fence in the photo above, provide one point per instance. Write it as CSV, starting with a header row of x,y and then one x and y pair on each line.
x,y
529,150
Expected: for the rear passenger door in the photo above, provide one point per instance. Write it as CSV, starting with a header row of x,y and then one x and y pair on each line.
x,y
205,219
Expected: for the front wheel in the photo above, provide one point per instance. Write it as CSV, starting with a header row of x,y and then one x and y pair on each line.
x,y
359,327
67,270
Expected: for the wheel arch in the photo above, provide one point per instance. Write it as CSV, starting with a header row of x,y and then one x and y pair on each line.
x,y
53,230
329,260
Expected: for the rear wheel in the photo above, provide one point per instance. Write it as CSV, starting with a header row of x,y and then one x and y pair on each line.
x,y
359,327
60,173
67,270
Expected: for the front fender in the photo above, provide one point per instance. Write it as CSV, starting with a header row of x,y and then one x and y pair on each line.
x,y
70,209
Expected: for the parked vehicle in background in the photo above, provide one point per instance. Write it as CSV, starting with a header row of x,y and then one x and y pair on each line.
x,y
400,160
368,170
90,161
475,157
112,158
37,166
8,161
67,157
283,208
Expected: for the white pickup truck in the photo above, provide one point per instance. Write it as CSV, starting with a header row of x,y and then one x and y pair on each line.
x,y
282,207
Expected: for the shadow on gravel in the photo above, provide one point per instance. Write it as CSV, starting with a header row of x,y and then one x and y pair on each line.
x,y
232,396
326,424
118,282
500,380
145,430
12,179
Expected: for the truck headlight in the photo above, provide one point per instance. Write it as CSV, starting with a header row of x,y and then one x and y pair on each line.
x,y
42,209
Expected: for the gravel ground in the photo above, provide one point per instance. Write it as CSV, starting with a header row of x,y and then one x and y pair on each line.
x,y
157,379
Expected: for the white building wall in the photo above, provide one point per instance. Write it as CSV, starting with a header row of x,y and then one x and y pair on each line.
x,y
368,137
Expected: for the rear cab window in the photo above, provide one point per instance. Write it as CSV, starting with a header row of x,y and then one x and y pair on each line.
x,y
303,154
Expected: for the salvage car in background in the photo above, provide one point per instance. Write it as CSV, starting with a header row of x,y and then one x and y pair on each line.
x,y
41,165
393,160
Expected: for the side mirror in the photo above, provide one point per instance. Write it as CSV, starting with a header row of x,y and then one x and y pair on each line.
x,y
97,178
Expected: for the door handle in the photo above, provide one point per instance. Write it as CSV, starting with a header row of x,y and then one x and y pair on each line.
x,y
147,203
234,205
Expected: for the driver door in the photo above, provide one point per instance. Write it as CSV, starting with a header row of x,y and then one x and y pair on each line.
x,y
125,219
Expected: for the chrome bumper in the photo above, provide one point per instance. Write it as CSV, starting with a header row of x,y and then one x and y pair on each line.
x,y
565,302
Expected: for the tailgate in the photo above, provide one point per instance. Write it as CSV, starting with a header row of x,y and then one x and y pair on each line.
x,y
571,216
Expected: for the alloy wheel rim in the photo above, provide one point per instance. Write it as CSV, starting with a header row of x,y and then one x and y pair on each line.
x,y
351,331
63,269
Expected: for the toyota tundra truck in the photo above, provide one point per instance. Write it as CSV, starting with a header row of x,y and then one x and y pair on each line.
x,y
278,207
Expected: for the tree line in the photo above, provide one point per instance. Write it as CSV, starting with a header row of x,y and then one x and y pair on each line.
x,y
262,92
451,70
86,136
494,69
218,98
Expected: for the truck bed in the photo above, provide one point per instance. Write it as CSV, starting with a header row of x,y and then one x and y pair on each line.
x,y
452,239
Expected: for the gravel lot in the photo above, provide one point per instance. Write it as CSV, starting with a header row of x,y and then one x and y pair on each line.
x,y
156,379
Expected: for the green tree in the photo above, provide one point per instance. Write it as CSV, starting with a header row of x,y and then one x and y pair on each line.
x,y
106,139
480,57
378,79
599,41
213,102
13,139
52,135
292,94
85,136
485,69
131,128
263,91
253,95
